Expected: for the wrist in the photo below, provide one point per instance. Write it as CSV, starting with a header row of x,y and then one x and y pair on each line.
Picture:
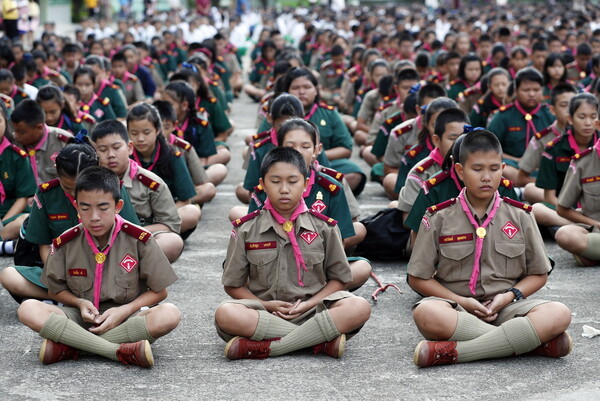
x,y
515,294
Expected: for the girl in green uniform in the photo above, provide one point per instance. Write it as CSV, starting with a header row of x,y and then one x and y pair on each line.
x,y
469,74
85,80
58,112
555,72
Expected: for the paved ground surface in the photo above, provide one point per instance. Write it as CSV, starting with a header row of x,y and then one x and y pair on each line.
x,y
377,365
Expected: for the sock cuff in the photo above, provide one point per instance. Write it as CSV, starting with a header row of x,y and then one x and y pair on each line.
x,y
54,327
137,328
327,325
592,251
262,327
521,334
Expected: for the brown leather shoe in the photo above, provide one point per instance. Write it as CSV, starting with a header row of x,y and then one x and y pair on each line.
x,y
559,346
432,353
334,348
584,262
243,348
138,353
52,352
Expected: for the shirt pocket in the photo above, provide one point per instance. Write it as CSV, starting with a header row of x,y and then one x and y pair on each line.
x,y
127,287
512,263
591,196
455,263
314,264
80,285
261,265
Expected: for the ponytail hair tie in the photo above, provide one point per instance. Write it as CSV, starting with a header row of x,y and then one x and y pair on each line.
x,y
415,88
81,137
467,129
424,109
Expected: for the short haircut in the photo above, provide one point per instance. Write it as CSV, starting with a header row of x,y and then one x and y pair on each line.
x,y
539,47
298,123
286,105
584,49
283,155
452,115
110,127
71,48
407,74
30,112
581,98
337,50
75,157
39,54
479,141
119,57
72,90
452,55
166,111
100,179
432,91
528,74
6,75
559,90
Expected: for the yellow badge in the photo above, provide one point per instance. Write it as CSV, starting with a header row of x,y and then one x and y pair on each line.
x,y
506,183
288,226
323,123
433,181
480,232
319,196
582,74
6,175
32,152
332,187
45,185
100,257
528,117
86,107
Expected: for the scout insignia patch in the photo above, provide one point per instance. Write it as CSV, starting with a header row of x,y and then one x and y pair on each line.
x,y
309,236
77,272
319,206
323,123
260,245
510,230
53,157
128,263
426,223
99,113
319,195
233,233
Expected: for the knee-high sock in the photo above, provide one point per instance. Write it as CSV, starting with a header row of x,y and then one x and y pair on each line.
x,y
132,330
592,251
271,326
470,327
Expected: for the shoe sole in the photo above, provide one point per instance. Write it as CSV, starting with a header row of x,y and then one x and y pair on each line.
x,y
147,352
229,344
341,346
43,351
570,346
418,352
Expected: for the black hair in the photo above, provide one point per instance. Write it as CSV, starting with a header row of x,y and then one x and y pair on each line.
x,y
95,60
559,90
549,62
410,104
337,50
119,57
581,98
6,75
84,70
284,155
268,44
147,112
49,93
453,155
39,54
518,50
8,132
286,105
368,53
451,55
75,157
165,110
422,60
110,127
479,141
378,63
298,72
584,49
71,48
528,74
281,68
452,115
463,65
298,123
432,91
539,47
407,74
98,179
386,85
6,53
30,112
72,90
485,38
182,91
436,106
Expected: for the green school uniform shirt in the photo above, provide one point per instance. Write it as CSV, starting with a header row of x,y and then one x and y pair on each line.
x,y
383,135
16,177
216,115
100,110
454,88
482,110
410,159
116,96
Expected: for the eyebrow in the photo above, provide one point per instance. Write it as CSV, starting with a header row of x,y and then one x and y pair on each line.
x,y
99,204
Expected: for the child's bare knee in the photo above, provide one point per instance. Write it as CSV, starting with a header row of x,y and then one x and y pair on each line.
x,y
27,309
171,315
226,314
561,314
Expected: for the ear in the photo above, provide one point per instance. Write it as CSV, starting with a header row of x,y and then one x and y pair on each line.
x,y
261,183
119,205
437,141
570,120
318,150
552,110
130,147
503,166
185,105
269,119
459,171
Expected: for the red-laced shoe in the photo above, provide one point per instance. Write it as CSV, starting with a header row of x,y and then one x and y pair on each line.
x,y
138,353
52,352
243,348
433,353
559,346
334,348
585,262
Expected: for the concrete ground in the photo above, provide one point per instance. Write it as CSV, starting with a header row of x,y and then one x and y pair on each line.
x,y
377,364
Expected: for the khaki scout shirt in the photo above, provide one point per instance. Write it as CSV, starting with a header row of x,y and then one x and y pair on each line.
x,y
369,105
153,206
400,141
582,184
531,159
193,163
44,157
131,268
445,250
380,118
262,258
414,182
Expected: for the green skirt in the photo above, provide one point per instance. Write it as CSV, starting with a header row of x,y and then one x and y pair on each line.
x,y
32,274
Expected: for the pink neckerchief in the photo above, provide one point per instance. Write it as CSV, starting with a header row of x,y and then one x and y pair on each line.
x,y
480,231
312,111
14,91
495,101
135,68
136,157
3,145
101,257
103,85
597,148
86,106
288,227
437,156
573,143
61,122
529,118
455,178
33,150
181,131
273,136
133,168
311,182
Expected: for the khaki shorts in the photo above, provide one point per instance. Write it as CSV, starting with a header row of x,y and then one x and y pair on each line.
x,y
510,311
75,315
256,305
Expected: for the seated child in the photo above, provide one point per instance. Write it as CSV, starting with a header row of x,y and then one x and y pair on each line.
x,y
292,307
117,322
149,194
481,312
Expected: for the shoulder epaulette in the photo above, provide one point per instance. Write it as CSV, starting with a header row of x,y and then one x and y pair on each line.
x,y
403,129
177,153
262,142
136,232
181,143
542,133
505,107
481,101
48,185
436,179
261,135
258,189
415,150
472,90
425,165
147,181
327,63
517,204
453,82
202,122
133,77
22,93
242,220
18,150
332,173
581,154
332,187
554,142
213,100
62,137
385,106
66,237
326,219
441,206
393,118
326,106
506,183
52,73
115,86
214,83
88,118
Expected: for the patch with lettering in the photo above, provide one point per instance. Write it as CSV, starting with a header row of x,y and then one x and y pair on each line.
x,y
514,129
309,236
128,263
60,216
510,230
426,223
563,159
37,201
251,246
319,206
589,180
78,272
447,239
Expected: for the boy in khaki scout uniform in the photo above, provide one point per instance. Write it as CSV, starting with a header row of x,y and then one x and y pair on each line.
x,y
109,274
582,184
149,194
286,271
41,142
489,257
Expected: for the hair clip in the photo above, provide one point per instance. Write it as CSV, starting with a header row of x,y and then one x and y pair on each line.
x,y
424,109
469,128
415,88
80,137
190,66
